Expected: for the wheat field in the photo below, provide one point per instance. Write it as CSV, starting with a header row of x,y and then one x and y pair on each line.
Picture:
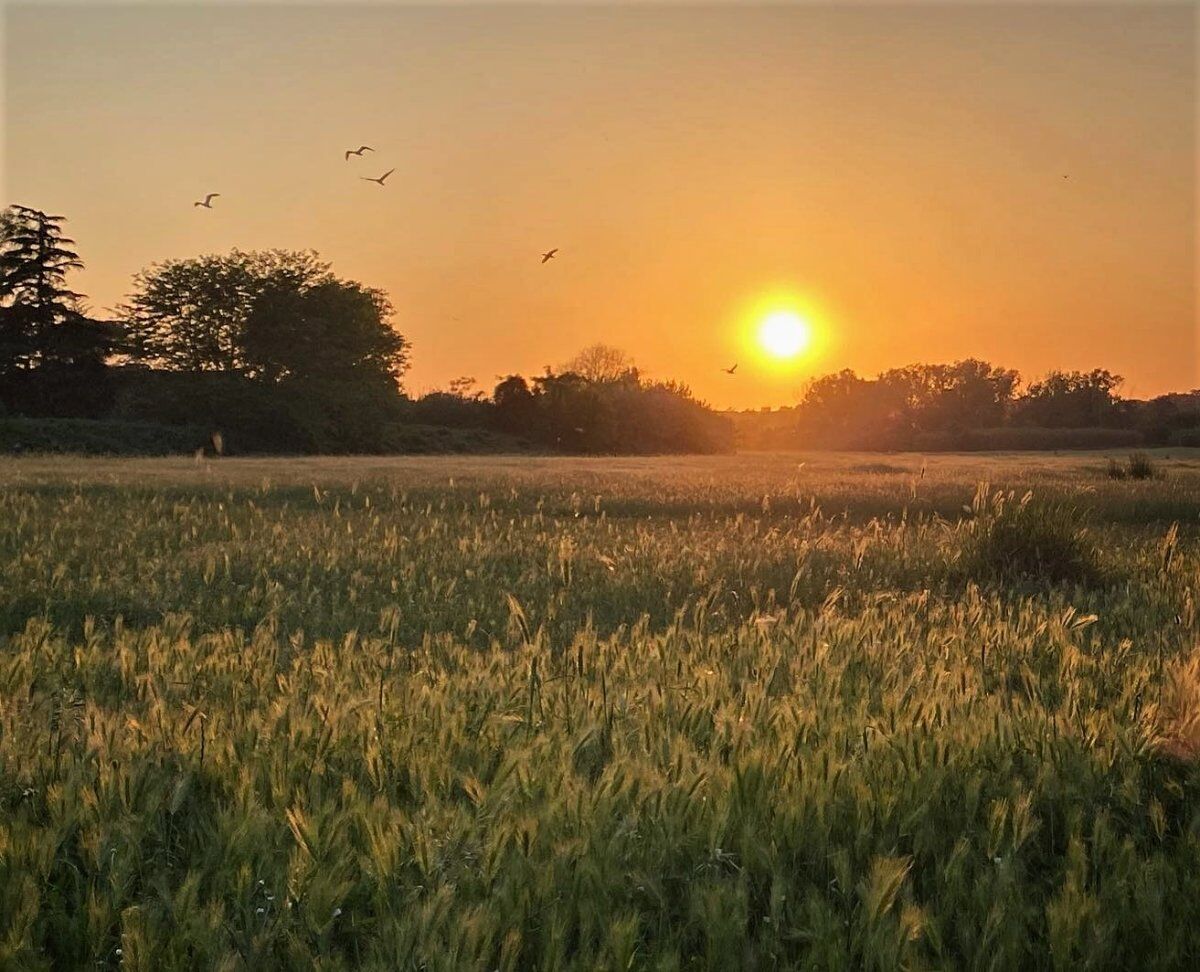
x,y
748,712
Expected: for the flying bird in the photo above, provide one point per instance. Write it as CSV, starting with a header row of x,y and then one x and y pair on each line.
x,y
207,204
730,371
549,254
380,179
358,151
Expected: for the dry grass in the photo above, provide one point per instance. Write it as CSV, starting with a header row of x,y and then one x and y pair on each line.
x,y
1178,729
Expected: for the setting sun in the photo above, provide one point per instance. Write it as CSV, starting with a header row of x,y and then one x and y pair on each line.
x,y
784,334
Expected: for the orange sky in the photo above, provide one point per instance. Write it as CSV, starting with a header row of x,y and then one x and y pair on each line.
x,y
897,169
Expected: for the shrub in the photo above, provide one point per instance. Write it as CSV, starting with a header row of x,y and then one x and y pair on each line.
x,y
1019,540
1141,466
94,437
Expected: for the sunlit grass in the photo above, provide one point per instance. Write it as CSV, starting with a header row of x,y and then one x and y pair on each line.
x,y
486,714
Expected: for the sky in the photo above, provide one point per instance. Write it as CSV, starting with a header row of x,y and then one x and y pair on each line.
x,y
894,173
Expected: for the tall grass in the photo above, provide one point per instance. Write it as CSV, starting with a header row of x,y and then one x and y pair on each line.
x,y
577,722
1018,539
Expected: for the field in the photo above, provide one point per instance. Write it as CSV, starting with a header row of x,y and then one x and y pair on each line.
x,y
749,712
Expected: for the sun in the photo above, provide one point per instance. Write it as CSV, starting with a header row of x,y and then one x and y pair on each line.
x,y
784,334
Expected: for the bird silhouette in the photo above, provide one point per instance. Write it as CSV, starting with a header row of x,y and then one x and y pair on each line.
x,y
207,204
358,151
380,179
730,371
549,254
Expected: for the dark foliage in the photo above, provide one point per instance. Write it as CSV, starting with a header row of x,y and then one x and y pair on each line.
x,y
98,437
571,413
52,355
305,415
453,410
1070,399
268,316
970,406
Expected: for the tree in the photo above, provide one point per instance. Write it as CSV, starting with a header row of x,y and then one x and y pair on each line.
x,y
617,416
1071,399
191,315
52,355
601,362
969,394
846,411
515,406
333,329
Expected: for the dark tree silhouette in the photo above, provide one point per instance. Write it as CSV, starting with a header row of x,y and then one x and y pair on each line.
x,y
613,414
52,355
1071,399
965,394
334,329
268,315
191,315
270,347
600,362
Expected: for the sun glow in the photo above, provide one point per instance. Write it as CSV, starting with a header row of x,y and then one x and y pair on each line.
x,y
784,334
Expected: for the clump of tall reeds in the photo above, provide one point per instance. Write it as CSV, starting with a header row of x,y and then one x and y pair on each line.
x,y
1018,539
1139,465
1178,728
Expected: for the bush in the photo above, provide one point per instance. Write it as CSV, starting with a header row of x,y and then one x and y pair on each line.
x,y
450,410
96,437
1019,540
292,416
408,438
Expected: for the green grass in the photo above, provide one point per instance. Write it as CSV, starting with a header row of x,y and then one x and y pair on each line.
x,y
765,711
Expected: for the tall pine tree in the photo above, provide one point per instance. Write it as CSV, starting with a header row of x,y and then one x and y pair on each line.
x,y
52,355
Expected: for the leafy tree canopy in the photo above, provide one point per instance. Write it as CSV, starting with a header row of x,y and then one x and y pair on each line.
x,y
267,315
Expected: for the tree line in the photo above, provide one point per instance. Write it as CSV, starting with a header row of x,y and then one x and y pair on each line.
x,y
972,404
278,354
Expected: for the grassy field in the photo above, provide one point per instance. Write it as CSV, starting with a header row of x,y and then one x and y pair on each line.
x,y
759,711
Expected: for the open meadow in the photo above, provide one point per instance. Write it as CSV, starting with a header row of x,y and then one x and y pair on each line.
x,y
742,712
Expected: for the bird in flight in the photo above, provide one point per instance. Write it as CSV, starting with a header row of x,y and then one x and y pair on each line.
x,y
207,204
549,254
730,371
380,179
358,151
